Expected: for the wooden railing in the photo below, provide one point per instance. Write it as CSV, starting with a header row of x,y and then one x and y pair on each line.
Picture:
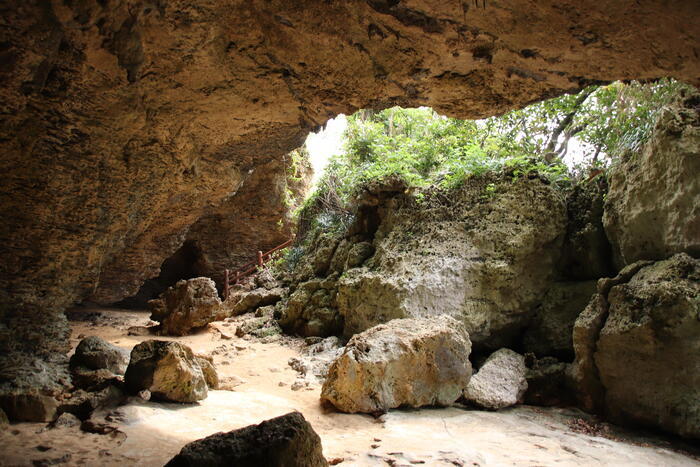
x,y
233,277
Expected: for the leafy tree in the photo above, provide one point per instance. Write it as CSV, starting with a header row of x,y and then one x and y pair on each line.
x,y
426,148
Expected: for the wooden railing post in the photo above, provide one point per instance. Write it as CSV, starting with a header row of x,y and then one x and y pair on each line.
x,y
225,284
251,267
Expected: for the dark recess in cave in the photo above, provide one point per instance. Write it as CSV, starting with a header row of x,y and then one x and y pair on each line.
x,y
181,265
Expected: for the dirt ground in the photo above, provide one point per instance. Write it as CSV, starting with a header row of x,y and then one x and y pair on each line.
x,y
150,433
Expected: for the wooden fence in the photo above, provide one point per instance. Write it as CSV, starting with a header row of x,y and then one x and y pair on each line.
x,y
233,277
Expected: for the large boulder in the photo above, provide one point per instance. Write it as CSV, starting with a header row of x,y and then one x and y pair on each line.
x,y
550,331
653,205
169,370
486,256
188,305
95,353
96,361
638,350
500,382
405,362
286,441
28,406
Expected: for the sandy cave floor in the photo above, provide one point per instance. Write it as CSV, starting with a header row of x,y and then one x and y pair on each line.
x,y
151,433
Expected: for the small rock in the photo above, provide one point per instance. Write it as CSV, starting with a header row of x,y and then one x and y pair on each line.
x,y
139,331
98,427
500,382
54,461
66,420
299,384
145,394
206,363
230,382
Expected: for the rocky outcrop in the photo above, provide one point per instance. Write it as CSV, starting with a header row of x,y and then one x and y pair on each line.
x,y
637,352
118,137
286,441
550,330
311,309
261,325
485,257
187,305
168,370
405,362
30,385
653,206
500,382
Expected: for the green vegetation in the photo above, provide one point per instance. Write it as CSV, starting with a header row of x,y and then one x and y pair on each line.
x,y
427,149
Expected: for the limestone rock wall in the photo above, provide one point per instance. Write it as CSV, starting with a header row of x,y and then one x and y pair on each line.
x,y
485,254
653,206
122,123
637,348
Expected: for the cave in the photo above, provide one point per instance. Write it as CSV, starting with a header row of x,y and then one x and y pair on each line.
x,y
145,142
181,265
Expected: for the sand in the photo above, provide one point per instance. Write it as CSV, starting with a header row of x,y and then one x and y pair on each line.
x,y
150,433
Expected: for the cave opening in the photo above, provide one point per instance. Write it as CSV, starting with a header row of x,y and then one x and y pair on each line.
x,y
490,274
180,265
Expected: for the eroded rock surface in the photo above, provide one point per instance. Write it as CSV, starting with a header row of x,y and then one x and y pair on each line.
x,y
485,257
405,362
188,305
286,441
653,206
637,352
168,370
500,382
124,124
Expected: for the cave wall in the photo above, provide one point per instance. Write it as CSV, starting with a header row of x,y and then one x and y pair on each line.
x,y
123,122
